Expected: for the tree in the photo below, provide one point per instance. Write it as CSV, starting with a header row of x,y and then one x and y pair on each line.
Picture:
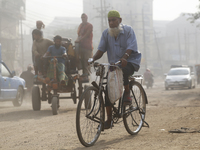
x,y
194,16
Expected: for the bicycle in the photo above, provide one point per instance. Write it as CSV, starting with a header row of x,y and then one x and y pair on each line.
x,y
90,121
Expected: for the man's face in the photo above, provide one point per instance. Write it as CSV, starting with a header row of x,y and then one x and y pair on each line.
x,y
84,18
36,37
39,26
114,22
58,43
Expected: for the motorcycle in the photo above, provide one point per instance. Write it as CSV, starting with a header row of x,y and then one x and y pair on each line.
x,y
149,83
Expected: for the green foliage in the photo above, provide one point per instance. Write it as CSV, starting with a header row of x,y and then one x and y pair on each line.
x,y
194,16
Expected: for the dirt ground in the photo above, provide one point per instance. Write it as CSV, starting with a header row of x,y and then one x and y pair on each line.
x,y
21,128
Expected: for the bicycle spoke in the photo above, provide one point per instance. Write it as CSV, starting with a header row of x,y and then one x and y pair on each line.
x,y
134,120
89,120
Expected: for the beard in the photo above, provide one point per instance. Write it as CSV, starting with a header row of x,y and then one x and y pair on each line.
x,y
114,32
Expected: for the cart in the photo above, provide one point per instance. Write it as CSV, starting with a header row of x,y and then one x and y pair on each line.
x,y
46,89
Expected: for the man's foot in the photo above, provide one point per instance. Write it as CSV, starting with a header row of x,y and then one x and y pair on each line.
x,y
127,99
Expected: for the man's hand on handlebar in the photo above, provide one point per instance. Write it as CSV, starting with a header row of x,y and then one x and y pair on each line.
x,y
123,62
64,55
90,60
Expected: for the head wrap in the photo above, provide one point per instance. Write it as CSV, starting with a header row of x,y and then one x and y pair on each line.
x,y
40,23
113,13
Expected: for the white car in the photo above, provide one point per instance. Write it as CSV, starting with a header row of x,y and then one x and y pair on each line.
x,y
180,77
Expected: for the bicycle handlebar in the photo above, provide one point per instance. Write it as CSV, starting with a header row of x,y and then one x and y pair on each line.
x,y
96,64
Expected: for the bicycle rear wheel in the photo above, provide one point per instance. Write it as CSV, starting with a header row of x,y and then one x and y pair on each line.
x,y
134,114
89,118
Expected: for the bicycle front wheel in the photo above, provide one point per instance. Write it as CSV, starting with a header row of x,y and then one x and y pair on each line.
x,y
90,116
134,114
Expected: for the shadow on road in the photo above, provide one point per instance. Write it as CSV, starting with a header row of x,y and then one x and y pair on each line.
x,y
3,107
103,144
24,114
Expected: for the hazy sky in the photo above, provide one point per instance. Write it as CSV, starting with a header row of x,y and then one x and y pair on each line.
x,y
46,10
171,9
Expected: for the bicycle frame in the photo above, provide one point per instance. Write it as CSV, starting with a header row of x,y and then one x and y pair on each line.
x,y
118,112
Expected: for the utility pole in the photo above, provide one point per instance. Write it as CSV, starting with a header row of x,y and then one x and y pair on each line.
x,y
0,27
144,40
179,47
101,16
158,52
196,47
0,65
105,14
131,18
22,48
186,52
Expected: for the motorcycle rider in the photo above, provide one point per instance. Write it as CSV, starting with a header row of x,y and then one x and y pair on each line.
x,y
148,78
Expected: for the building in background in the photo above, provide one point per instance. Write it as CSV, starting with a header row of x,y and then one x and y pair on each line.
x,y
11,14
182,38
177,41
64,26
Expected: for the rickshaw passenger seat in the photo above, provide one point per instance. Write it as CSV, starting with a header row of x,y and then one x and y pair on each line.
x,y
70,68
73,71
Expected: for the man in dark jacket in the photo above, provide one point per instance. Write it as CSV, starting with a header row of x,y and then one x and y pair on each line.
x,y
28,76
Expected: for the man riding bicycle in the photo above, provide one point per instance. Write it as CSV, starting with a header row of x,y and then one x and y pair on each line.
x,y
120,43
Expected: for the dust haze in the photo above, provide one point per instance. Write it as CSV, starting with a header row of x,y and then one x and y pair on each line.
x,y
162,43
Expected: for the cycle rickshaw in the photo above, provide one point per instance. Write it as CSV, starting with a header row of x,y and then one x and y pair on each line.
x,y
46,89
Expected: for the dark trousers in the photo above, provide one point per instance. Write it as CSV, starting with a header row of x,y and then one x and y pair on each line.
x,y
41,64
85,55
127,71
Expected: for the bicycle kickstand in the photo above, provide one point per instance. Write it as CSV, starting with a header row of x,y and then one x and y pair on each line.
x,y
146,124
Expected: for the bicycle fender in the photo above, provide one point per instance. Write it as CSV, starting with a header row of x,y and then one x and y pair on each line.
x,y
145,95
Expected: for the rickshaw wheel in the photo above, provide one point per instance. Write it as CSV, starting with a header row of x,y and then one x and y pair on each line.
x,y
87,98
36,102
54,105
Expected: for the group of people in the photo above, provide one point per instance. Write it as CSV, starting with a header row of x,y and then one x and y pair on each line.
x,y
119,41
43,47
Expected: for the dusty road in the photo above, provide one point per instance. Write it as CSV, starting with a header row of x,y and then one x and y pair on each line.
x,y
24,129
